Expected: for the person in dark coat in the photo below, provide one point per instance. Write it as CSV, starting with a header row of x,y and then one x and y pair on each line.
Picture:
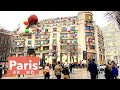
x,y
92,68
0,71
66,72
108,72
114,70
71,67
53,66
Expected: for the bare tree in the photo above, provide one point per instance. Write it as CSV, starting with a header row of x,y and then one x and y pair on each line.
x,y
72,50
53,52
113,15
5,44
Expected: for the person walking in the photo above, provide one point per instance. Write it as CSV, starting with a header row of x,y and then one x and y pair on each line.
x,y
58,70
108,72
66,72
114,70
71,67
92,68
53,66
46,71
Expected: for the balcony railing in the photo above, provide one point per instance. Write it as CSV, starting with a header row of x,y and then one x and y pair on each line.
x,y
20,39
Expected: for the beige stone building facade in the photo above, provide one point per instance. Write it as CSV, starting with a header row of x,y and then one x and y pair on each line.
x,y
111,35
59,38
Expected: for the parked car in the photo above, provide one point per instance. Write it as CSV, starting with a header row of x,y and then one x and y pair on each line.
x,y
100,68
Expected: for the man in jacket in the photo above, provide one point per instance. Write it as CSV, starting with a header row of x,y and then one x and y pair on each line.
x,y
92,68
58,70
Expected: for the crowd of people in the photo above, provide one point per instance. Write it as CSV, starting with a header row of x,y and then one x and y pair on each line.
x,y
111,70
59,69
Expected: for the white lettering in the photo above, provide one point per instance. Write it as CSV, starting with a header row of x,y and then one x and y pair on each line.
x,y
12,63
35,66
27,72
25,66
14,72
30,65
18,72
32,72
20,66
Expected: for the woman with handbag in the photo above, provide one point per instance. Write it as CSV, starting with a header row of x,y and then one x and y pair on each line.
x,y
46,72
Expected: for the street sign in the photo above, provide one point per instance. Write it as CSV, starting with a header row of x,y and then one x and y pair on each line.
x,y
23,65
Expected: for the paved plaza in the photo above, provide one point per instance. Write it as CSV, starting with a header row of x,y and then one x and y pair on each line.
x,y
77,74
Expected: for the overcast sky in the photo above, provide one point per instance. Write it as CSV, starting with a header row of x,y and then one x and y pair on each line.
x,y
11,19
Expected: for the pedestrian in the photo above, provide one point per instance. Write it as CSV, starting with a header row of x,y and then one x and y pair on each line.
x,y
58,70
114,70
108,72
80,63
46,71
1,71
66,72
71,67
53,66
92,68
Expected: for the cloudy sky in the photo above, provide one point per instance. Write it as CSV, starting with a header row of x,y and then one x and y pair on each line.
x,y
11,19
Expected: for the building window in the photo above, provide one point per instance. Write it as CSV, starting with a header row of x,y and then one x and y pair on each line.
x,y
54,29
64,23
45,36
29,36
64,35
71,41
47,25
46,48
71,35
72,28
54,35
54,41
115,52
91,47
75,41
65,41
89,27
55,24
36,37
46,42
64,29
54,47
89,34
37,41
29,42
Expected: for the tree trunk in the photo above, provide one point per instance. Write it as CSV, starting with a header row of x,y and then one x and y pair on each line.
x,y
73,58
70,58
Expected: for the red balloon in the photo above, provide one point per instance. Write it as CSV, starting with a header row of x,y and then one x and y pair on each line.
x,y
69,31
73,36
33,19
26,23
69,19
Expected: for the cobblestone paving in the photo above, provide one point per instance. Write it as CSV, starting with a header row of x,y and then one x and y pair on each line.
x,y
77,74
